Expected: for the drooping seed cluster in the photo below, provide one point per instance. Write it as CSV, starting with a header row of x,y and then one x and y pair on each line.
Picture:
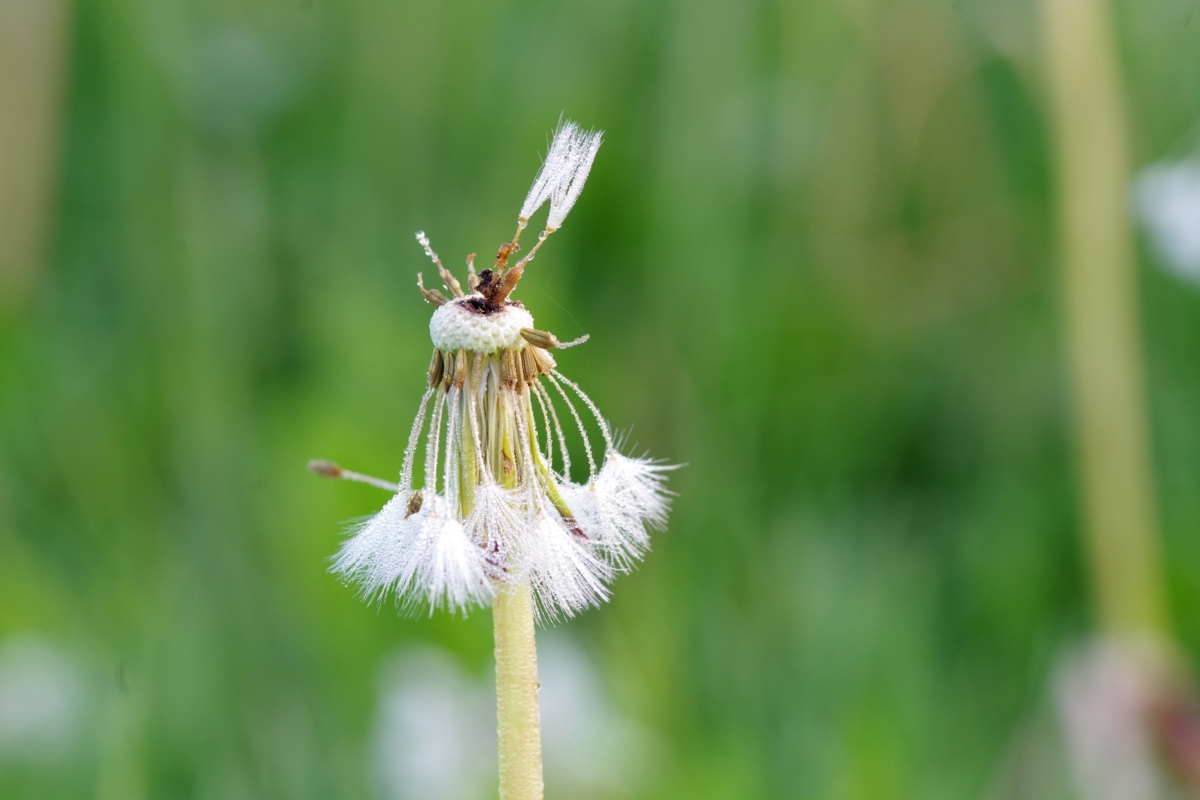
x,y
496,505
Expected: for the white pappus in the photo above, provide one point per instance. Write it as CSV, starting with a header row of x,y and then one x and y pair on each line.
x,y
496,505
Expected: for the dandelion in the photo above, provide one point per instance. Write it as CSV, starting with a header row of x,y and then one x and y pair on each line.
x,y
496,519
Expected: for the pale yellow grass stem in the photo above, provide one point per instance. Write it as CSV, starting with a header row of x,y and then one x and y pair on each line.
x,y
1103,343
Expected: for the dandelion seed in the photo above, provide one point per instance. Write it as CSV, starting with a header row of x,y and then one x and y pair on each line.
x,y
563,173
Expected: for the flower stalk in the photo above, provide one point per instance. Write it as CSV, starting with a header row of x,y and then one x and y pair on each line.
x,y
1102,332
518,727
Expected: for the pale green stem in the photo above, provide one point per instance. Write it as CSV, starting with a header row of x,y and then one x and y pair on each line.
x,y
518,727
1103,343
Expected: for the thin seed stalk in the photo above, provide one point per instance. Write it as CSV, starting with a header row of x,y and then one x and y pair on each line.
x,y
543,468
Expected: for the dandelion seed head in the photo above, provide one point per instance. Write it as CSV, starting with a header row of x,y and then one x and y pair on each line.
x,y
492,511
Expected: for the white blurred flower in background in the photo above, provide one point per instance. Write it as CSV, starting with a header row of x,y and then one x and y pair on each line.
x,y
435,737
1166,199
590,747
41,700
1122,723
1103,695
435,732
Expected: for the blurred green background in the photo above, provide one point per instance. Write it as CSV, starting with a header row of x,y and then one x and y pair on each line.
x,y
816,259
